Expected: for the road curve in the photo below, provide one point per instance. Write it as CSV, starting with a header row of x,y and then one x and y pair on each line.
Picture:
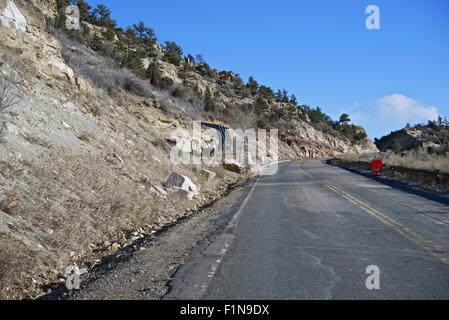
x,y
312,230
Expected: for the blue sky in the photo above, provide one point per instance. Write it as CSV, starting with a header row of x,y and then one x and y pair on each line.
x,y
319,50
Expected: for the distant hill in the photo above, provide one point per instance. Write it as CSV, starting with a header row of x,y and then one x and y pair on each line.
x,y
433,137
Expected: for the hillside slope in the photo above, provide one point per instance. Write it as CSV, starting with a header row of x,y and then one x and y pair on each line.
x,y
85,145
433,137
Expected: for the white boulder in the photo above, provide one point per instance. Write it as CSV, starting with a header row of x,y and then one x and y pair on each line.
x,y
12,16
182,184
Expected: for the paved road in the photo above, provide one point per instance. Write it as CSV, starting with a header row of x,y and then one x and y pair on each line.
x,y
311,231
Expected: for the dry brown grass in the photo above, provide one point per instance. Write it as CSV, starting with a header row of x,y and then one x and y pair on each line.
x,y
414,159
59,205
70,204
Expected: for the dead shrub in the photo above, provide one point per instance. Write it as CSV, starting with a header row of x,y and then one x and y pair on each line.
x,y
8,95
8,203
102,71
416,159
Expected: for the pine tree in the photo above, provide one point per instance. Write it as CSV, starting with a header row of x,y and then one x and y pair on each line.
x,y
146,37
260,106
278,96
252,85
84,9
344,119
173,53
265,91
190,59
140,30
145,34
60,18
199,59
102,16
293,100
285,98
132,52
209,104
154,74
185,73
237,84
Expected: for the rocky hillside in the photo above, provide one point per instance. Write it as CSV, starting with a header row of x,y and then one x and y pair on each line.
x,y
85,142
433,137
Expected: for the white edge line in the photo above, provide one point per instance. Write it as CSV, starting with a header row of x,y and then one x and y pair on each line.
x,y
214,267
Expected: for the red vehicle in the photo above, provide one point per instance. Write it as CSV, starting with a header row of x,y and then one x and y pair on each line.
x,y
376,167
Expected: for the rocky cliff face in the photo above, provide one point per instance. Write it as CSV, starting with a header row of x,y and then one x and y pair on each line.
x,y
299,139
22,34
431,138
81,169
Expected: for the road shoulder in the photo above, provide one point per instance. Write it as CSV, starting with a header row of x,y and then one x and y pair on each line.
x,y
144,275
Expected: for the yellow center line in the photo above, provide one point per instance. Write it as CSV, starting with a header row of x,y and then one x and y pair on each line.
x,y
404,231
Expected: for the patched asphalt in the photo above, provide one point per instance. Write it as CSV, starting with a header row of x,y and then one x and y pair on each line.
x,y
312,230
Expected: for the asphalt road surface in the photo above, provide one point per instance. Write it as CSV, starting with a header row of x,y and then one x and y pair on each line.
x,y
312,230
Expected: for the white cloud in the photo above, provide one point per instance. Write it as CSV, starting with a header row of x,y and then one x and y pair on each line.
x,y
391,113
402,108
